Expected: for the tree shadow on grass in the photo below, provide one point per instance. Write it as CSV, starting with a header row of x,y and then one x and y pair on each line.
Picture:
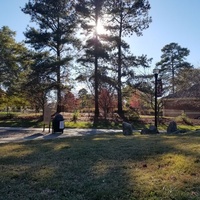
x,y
34,136
104,166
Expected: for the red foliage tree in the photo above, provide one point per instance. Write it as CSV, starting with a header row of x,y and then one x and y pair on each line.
x,y
135,101
107,102
70,102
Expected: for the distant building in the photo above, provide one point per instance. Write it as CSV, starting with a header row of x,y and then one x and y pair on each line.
x,y
187,102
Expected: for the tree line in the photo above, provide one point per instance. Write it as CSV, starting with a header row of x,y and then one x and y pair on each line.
x,y
64,46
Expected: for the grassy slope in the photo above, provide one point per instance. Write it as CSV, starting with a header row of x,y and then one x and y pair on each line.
x,y
103,167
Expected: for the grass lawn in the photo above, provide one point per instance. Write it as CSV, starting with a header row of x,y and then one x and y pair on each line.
x,y
35,121
103,167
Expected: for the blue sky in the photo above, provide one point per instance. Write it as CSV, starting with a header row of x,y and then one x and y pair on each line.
x,y
173,21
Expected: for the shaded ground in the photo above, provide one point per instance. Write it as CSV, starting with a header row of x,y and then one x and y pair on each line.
x,y
102,167
22,134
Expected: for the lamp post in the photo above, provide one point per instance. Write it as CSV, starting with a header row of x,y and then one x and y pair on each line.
x,y
156,72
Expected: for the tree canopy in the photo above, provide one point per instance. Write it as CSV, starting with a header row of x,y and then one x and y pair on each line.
x,y
54,32
63,43
12,58
173,59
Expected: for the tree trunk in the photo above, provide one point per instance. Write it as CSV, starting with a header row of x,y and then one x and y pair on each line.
x,y
59,98
96,113
119,81
96,87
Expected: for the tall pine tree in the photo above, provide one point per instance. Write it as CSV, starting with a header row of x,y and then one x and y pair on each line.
x,y
125,18
173,59
90,13
53,31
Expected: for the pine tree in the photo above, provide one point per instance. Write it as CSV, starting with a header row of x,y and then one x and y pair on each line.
x,y
172,61
125,18
53,31
90,13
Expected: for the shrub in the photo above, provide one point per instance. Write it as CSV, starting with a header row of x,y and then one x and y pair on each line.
x,y
132,115
75,116
4,116
183,118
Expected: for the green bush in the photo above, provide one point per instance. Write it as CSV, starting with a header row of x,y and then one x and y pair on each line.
x,y
132,115
4,116
183,118
75,116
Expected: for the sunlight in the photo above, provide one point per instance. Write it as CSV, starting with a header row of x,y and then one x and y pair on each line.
x,y
100,29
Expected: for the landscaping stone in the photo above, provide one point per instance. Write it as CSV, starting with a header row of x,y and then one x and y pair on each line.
x,y
127,128
145,131
151,130
172,127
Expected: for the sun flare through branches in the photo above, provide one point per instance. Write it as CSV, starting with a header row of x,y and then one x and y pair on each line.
x,y
100,28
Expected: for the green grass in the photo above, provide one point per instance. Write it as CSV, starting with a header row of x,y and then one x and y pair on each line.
x,y
16,119
80,124
26,120
36,121
103,167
